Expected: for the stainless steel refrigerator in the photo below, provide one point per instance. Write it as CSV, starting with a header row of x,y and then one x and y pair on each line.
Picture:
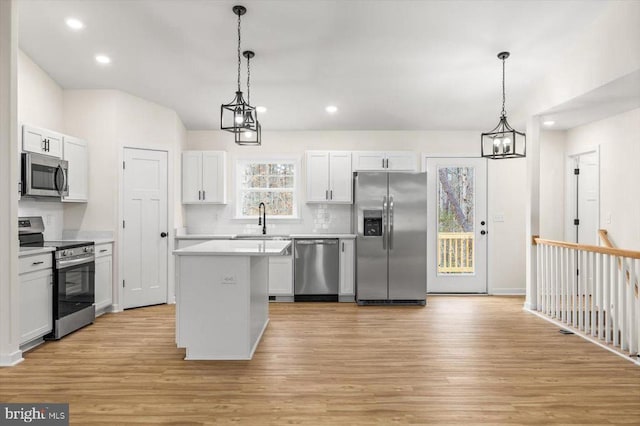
x,y
390,220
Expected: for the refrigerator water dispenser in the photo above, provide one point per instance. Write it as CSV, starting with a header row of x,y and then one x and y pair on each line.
x,y
372,223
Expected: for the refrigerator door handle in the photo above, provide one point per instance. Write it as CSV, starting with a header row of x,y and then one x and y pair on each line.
x,y
390,222
384,223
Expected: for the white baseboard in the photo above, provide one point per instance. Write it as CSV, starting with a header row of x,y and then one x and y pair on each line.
x,y
508,291
9,360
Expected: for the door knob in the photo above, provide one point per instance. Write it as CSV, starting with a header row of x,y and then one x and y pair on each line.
x,y
483,232
163,234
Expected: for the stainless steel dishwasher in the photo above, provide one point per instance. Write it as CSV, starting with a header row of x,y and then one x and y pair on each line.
x,y
316,270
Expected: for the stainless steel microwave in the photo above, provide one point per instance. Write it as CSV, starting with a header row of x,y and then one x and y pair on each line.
x,y
44,176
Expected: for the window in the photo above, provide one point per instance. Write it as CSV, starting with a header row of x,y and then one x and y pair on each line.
x,y
272,182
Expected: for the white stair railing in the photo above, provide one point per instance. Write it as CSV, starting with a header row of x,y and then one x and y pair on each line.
x,y
592,290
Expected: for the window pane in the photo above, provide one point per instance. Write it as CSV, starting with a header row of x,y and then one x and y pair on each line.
x,y
272,183
456,207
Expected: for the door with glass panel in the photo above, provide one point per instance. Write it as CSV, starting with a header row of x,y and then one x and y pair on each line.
x,y
457,225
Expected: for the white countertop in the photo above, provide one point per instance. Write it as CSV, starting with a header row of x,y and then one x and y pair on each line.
x,y
30,251
235,248
97,241
345,236
231,236
205,236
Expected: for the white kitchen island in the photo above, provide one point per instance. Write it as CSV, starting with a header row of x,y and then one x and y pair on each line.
x,y
222,300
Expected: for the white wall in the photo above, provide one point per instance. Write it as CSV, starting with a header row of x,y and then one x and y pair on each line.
x,y
40,101
506,180
619,141
552,184
10,353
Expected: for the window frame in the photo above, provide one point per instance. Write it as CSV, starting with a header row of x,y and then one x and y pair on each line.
x,y
239,165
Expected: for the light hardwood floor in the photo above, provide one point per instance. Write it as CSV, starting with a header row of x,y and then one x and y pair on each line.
x,y
459,360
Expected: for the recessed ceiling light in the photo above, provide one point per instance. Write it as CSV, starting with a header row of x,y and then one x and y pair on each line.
x,y
103,59
331,109
74,24
549,123
261,109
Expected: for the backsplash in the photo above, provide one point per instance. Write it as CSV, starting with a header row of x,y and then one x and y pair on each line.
x,y
52,213
314,218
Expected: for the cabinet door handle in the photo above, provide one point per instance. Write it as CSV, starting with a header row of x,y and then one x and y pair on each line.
x,y
204,196
383,163
343,246
326,194
331,194
38,263
103,250
199,195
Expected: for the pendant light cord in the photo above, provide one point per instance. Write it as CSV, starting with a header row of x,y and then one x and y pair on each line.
x,y
249,79
504,113
239,62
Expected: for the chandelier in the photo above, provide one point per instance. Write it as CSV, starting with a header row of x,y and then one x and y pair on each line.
x,y
238,115
249,136
503,141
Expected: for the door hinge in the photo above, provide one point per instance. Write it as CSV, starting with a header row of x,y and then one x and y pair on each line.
x,y
123,165
576,171
576,222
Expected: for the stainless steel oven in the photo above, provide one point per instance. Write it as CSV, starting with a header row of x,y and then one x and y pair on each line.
x,y
44,176
73,289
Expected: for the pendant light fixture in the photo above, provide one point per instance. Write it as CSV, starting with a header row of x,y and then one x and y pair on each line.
x,y
249,136
503,141
233,115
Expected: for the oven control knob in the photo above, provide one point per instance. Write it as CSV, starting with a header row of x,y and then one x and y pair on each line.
x,y
70,252
86,250
64,252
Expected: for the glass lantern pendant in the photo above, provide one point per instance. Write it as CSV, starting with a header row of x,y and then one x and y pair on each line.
x,y
503,141
234,116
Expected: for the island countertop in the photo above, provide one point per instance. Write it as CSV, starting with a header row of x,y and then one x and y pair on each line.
x,y
235,248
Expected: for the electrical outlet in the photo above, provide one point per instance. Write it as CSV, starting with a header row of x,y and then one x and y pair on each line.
x,y
498,217
228,279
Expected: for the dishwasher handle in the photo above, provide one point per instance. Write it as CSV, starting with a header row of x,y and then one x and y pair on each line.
x,y
316,242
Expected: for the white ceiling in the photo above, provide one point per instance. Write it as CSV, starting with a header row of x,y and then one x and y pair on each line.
x,y
387,64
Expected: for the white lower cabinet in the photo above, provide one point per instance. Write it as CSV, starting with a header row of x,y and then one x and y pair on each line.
x,y
347,270
104,277
281,275
36,297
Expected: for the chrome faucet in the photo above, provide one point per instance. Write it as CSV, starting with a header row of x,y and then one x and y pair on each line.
x,y
262,220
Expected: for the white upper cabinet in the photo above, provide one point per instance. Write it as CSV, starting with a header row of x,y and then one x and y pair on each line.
x,y
76,152
329,177
41,141
204,177
398,161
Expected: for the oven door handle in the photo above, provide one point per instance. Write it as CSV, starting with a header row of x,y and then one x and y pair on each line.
x,y
60,264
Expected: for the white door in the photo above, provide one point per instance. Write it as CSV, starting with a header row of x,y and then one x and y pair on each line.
x,y
583,198
457,225
145,228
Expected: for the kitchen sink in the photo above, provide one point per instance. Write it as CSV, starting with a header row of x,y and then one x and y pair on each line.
x,y
261,237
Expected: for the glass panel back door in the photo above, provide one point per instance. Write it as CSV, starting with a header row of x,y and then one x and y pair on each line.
x,y
457,225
